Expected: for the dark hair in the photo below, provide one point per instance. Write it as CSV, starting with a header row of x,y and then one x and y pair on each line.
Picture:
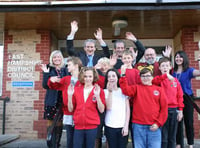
x,y
82,73
106,77
164,59
185,60
119,41
145,70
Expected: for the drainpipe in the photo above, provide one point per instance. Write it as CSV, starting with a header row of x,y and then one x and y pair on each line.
x,y
4,113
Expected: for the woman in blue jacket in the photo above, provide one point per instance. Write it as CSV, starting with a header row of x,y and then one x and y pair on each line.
x,y
185,74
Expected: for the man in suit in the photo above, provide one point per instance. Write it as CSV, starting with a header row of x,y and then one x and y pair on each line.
x,y
88,57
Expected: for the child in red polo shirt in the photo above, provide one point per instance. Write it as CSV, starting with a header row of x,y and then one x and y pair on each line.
x,y
85,101
174,95
149,109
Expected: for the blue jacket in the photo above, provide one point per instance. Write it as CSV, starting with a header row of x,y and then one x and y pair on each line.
x,y
52,96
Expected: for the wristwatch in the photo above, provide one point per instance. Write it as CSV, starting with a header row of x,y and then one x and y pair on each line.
x,y
122,75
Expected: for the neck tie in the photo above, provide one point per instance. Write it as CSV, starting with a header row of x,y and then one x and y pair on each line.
x,y
90,64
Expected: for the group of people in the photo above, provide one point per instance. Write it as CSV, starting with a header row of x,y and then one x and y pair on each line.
x,y
117,92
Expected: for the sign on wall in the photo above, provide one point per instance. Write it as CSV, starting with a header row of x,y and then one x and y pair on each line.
x,y
20,67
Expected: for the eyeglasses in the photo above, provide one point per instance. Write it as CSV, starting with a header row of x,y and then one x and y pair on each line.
x,y
146,76
149,55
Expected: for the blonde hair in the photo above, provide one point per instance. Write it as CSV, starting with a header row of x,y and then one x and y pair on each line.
x,y
104,60
127,52
53,53
82,73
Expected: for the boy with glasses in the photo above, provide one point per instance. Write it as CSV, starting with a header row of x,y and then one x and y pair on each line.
x,y
149,109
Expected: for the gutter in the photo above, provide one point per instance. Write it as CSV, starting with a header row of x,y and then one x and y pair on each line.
x,y
95,5
72,2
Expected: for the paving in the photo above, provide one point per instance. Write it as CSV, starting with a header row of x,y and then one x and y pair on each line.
x,y
41,143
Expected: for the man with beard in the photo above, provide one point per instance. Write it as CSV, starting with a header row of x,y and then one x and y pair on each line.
x,y
150,59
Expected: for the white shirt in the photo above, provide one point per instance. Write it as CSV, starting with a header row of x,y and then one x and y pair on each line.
x,y
68,119
87,91
116,116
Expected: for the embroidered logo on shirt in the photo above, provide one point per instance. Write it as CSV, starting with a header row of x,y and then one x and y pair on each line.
x,y
94,99
175,84
156,93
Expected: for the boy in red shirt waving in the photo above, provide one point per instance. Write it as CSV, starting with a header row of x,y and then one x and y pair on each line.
x,y
149,109
174,95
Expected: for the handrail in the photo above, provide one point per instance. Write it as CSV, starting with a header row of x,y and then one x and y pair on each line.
x,y
6,99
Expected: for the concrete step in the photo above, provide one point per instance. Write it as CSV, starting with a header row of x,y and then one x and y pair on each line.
x,y
4,139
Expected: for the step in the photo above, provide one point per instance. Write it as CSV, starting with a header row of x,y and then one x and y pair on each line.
x,y
8,138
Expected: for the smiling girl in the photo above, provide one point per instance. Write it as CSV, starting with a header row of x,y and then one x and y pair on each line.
x,y
116,120
85,101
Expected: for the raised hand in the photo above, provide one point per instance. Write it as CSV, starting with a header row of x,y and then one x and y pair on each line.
x,y
109,86
170,77
167,51
74,26
130,36
70,90
98,34
44,68
113,60
123,69
98,66
135,53
96,90
54,79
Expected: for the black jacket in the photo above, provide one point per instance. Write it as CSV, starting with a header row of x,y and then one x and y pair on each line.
x,y
141,49
82,55
52,95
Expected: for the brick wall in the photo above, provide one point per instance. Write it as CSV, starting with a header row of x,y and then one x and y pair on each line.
x,y
24,113
190,39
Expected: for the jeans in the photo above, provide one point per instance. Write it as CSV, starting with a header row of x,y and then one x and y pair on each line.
x,y
169,129
115,138
130,126
188,111
145,138
84,137
69,135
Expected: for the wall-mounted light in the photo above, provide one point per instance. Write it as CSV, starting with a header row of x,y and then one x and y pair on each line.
x,y
118,24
